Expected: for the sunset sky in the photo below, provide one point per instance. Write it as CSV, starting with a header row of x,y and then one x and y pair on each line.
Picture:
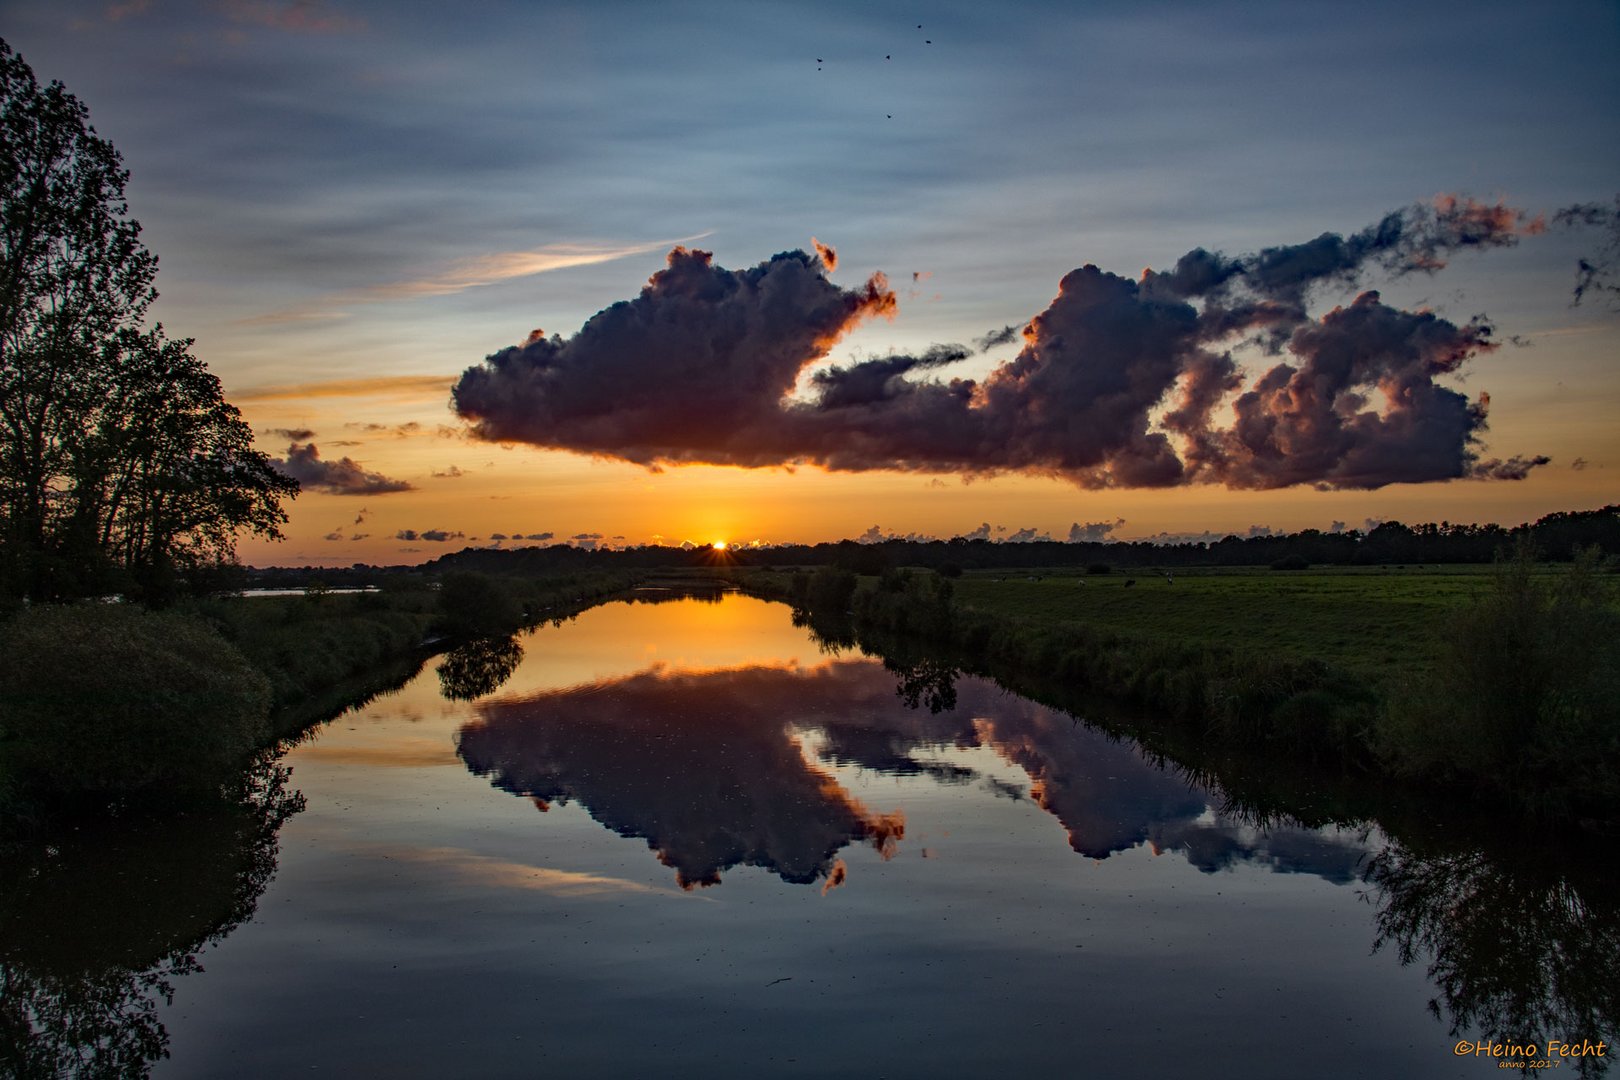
x,y
355,202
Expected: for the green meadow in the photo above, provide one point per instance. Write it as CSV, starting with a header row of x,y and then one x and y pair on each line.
x,y
1500,680
1380,624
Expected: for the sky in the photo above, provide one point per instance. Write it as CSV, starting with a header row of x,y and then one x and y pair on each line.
x,y
1015,270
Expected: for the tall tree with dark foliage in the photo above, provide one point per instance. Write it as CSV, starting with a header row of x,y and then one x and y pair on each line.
x,y
121,464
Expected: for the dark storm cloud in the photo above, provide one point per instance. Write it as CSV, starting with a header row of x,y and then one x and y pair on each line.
x,y
694,369
1118,383
344,476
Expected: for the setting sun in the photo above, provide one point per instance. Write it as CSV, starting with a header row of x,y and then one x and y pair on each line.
x,y
719,545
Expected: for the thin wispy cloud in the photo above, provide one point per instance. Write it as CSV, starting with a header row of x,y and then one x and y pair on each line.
x,y
463,274
297,16
407,387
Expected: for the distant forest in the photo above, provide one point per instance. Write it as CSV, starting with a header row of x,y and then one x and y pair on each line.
x,y
1555,537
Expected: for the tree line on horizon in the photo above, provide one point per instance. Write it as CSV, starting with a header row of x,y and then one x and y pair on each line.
x,y
1557,537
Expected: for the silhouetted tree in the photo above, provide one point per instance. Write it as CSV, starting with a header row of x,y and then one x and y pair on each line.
x,y
118,452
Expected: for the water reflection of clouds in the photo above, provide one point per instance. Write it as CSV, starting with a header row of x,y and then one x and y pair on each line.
x,y
401,753
1339,856
709,767
491,872
702,765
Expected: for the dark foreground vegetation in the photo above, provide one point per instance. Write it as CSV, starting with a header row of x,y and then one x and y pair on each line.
x,y
112,704
1514,695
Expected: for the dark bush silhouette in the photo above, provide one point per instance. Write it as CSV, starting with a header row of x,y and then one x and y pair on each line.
x,y
475,605
111,699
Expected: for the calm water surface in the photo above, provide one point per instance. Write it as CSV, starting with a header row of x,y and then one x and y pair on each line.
x,y
683,840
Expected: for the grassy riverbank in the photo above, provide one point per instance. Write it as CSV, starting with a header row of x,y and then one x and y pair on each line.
x,y
110,703
1503,683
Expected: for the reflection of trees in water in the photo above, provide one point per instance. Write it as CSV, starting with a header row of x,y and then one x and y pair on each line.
x,y
96,929
1517,953
475,668
663,594
833,633
924,680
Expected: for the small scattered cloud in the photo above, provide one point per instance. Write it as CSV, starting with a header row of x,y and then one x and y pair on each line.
x,y
405,430
876,535
1579,464
1513,468
1006,335
1094,532
449,473
291,434
342,477
434,536
828,257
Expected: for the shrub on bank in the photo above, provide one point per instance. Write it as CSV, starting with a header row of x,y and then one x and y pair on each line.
x,y
476,605
115,700
1525,697
306,646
